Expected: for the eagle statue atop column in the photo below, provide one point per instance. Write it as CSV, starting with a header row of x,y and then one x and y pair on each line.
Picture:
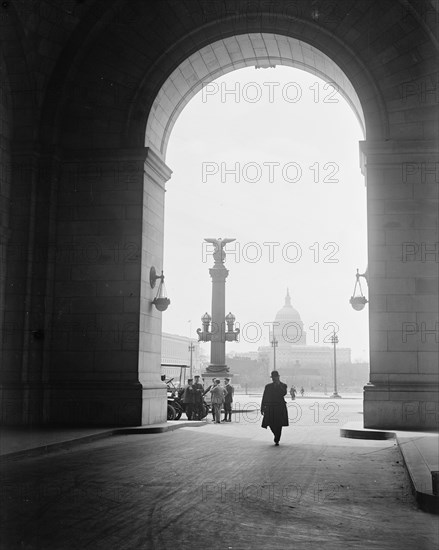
x,y
219,254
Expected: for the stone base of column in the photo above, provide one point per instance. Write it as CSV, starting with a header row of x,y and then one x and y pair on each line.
x,y
401,407
209,375
218,369
154,404
221,374
95,404
106,404
21,404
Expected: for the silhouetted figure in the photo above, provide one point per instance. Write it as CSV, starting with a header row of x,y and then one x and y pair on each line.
x,y
189,399
273,406
293,392
199,389
207,390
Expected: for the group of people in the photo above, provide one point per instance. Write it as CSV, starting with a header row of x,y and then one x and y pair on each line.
x,y
293,392
221,397
273,405
192,398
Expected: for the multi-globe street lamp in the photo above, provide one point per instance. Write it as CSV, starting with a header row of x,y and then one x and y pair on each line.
x,y
334,340
214,327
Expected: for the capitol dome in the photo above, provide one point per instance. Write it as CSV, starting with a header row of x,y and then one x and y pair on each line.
x,y
288,313
287,325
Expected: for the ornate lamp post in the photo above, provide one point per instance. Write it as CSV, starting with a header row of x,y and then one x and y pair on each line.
x,y
218,335
191,348
274,343
334,340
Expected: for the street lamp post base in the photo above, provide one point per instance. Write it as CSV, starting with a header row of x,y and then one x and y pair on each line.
x,y
335,395
217,370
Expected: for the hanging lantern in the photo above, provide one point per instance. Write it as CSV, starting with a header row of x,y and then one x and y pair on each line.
x,y
161,301
358,300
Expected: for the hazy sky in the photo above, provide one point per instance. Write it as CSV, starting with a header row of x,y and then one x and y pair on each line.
x,y
298,189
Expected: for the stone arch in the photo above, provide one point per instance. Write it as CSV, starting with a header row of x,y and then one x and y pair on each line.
x,y
137,93
257,49
105,188
356,82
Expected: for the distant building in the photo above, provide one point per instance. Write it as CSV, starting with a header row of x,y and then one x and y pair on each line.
x,y
175,351
245,354
288,326
298,362
248,371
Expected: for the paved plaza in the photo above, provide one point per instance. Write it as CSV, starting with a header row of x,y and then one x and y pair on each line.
x,y
220,487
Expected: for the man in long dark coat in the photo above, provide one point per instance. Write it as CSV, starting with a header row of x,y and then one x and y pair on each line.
x,y
189,399
273,406
207,391
198,407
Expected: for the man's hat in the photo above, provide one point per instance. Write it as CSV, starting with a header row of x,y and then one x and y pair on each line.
x,y
190,379
197,376
228,379
274,373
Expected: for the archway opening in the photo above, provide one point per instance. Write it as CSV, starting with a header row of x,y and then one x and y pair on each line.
x,y
260,50
288,188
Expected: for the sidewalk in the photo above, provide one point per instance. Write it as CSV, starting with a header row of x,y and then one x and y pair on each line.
x,y
21,442
222,486
420,450
16,443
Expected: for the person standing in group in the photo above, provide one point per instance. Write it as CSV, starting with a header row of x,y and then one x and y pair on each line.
x,y
211,405
199,389
189,399
228,400
273,406
218,393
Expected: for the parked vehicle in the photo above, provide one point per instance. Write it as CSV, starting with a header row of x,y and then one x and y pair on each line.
x,y
205,411
176,405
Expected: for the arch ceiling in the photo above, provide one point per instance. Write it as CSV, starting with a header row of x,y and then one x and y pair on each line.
x,y
259,50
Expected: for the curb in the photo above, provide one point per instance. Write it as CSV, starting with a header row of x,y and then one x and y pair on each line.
x,y
365,433
159,429
70,443
53,447
416,468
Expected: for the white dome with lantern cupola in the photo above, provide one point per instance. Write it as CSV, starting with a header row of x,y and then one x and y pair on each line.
x,y
288,326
